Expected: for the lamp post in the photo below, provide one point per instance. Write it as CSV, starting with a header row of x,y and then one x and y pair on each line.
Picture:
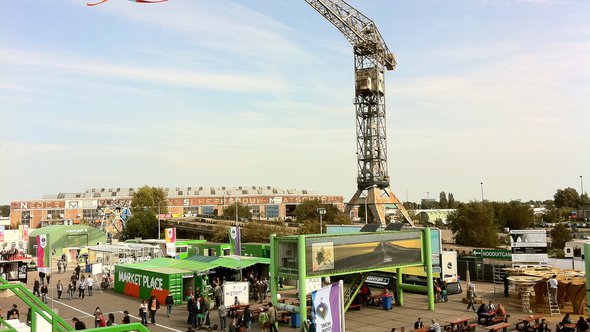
x,y
321,211
366,196
160,202
582,197
481,184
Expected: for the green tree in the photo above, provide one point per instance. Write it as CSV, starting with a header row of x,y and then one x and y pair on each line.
x,y
260,232
451,202
243,211
567,197
560,234
220,234
142,224
443,202
4,210
514,215
473,225
308,211
148,198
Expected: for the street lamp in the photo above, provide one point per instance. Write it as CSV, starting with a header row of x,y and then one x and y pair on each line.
x,y
366,196
159,202
321,211
481,184
582,197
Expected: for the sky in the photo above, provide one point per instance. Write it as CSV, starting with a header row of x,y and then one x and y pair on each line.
x,y
259,92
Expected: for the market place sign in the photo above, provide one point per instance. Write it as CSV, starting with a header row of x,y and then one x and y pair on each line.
x,y
493,253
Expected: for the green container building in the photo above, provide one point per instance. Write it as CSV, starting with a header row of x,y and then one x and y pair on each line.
x,y
68,236
256,249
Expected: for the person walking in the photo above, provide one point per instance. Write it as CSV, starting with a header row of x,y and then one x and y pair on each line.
x,y
273,317
111,320
222,312
65,263
77,271
71,289
126,319
78,325
169,304
263,319
59,267
470,299
36,287
89,284
154,305
81,287
247,317
143,308
60,289
97,316
44,292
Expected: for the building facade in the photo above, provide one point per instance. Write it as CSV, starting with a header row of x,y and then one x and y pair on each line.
x,y
266,203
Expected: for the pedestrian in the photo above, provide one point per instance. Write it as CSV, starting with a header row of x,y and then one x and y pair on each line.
x,y
435,327
273,317
71,289
126,319
111,320
89,284
60,289
143,307
78,325
582,325
169,304
44,292
97,315
470,299
36,287
263,319
552,285
418,324
222,312
77,271
191,307
65,263
81,287
29,316
47,277
444,293
217,293
59,267
154,305
13,313
506,285
247,318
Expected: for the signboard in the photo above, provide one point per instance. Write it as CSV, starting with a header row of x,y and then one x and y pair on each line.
x,y
312,284
170,241
493,253
332,254
529,246
231,290
43,253
328,308
23,230
234,241
1,233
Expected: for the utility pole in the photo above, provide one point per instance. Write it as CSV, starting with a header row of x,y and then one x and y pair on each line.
x,y
481,184
582,198
321,211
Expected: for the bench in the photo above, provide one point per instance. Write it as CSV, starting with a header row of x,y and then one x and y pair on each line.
x,y
499,326
498,319
471,327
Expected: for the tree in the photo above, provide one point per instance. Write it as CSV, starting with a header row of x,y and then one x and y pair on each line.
x,y
308,211
142,224
560,234
260,232
473,225
220,234
4,210
451,202
442,200
243,211
514,215
567,197
148,198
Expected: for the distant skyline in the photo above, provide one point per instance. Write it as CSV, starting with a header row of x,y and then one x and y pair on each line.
x,y
259,92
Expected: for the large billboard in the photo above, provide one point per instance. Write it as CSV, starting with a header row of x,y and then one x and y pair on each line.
x,y
529,246
333,254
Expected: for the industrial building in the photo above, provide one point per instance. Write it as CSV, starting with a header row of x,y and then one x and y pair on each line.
x,y
266,203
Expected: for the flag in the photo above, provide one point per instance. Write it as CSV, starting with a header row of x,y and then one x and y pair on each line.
x,y
170,241
1,233
43,253
23,231
234,241
328,308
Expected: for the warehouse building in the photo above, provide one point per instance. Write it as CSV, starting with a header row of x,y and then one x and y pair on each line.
x,y
266,203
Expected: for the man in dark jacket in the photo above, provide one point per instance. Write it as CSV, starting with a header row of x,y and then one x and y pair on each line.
x,y
169,304
78,325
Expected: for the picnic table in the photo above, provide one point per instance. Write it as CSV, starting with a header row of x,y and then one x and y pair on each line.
x,y
499,326
485,315
458,321
424,329
233,309
526,321
570,327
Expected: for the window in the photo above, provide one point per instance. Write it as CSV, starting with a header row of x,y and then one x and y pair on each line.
x,y
255,211
25,218
272,211
55,214
209,209
88,213
181,249
192,210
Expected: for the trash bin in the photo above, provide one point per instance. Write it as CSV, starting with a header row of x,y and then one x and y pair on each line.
x,y
295,320
386,299
88,268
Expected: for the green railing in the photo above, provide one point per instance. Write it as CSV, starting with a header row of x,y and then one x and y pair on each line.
x,y
40,309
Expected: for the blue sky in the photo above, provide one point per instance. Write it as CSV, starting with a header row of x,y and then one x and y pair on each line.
x,y
260,92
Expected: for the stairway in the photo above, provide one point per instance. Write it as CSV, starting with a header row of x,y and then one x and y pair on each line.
x,y
17,325
352,284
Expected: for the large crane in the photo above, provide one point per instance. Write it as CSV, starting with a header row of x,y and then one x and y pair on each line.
x,y
371,59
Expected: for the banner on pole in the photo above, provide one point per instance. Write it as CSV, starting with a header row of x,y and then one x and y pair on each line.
x,y
328,308
1,233
234,241
43,253
23,231
170,241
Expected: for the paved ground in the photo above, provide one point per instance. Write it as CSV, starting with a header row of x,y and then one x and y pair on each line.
x,y
367,319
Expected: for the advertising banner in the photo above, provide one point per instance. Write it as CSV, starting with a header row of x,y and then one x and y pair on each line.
x,y
235,241
529,246
493,253
23,231
326,255
43,253
328,308
233,290
170,241
2,233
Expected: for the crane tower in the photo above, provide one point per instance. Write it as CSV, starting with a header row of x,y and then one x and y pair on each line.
x,y
371,59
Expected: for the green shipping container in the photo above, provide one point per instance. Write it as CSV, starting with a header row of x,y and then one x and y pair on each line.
x,y
144,282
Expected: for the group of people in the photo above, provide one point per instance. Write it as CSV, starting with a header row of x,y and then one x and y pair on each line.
x,y
100,320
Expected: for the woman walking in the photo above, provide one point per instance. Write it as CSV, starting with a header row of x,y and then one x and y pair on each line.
x,y
60,289
143,307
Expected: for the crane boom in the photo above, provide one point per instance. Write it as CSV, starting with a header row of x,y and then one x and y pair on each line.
x,y
372,58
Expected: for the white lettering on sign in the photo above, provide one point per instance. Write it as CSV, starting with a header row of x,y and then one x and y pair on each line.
x,y
139,280
275,200
186,202
81,230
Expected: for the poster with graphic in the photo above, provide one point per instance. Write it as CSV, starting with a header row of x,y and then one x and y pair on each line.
x,y
322,254
233,290
1,233
43,253
170,241
328,308
235,241
23,231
